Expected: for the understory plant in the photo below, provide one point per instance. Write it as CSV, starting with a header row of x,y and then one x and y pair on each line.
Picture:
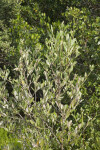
x,y
56,122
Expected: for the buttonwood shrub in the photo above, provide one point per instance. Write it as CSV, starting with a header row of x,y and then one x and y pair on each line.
x,y
56,122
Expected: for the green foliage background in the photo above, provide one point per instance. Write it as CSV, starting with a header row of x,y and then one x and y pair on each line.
x,y
59,42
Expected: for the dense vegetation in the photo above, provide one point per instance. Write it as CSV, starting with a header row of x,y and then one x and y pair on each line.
x,y
49,75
